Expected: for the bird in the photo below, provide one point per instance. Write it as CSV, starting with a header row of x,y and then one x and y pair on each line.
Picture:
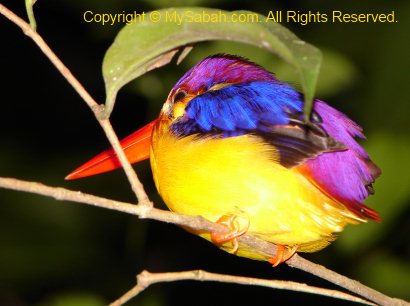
x,y
231,144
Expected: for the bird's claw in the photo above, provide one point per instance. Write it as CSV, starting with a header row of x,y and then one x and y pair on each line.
x,y
232,224
281,255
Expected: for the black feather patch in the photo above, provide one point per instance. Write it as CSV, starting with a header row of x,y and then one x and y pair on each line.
x,y
297,144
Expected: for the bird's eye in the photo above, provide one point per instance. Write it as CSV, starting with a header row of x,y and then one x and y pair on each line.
x,y
180,95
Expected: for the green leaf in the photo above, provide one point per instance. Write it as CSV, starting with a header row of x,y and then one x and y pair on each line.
x,y
30,13
146,45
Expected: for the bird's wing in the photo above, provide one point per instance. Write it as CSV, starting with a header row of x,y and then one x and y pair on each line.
x,y
346,175
269,110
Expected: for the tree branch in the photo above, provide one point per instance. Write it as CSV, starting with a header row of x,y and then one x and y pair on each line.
x,y
199,223
344,282
136,185
146,279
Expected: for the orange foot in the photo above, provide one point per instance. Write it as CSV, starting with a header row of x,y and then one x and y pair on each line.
x,y
234,231
281,256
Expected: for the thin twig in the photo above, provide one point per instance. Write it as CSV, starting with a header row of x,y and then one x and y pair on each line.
x,y
199,223
136,185
343,281
146,279
49,53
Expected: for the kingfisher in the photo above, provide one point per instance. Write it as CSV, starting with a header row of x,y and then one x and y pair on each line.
x,y
231,144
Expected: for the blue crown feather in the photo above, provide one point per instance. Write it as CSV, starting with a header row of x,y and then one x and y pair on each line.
x,y
262,108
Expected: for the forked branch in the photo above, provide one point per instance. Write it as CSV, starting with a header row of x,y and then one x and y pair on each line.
x,y
95,107
146,279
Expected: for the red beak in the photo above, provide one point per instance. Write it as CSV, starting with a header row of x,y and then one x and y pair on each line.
x,y
136,147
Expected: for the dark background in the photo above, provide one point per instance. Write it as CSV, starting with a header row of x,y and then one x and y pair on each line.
x,y
60,253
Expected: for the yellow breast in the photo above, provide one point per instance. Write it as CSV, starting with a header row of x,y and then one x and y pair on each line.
x,y
241,176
